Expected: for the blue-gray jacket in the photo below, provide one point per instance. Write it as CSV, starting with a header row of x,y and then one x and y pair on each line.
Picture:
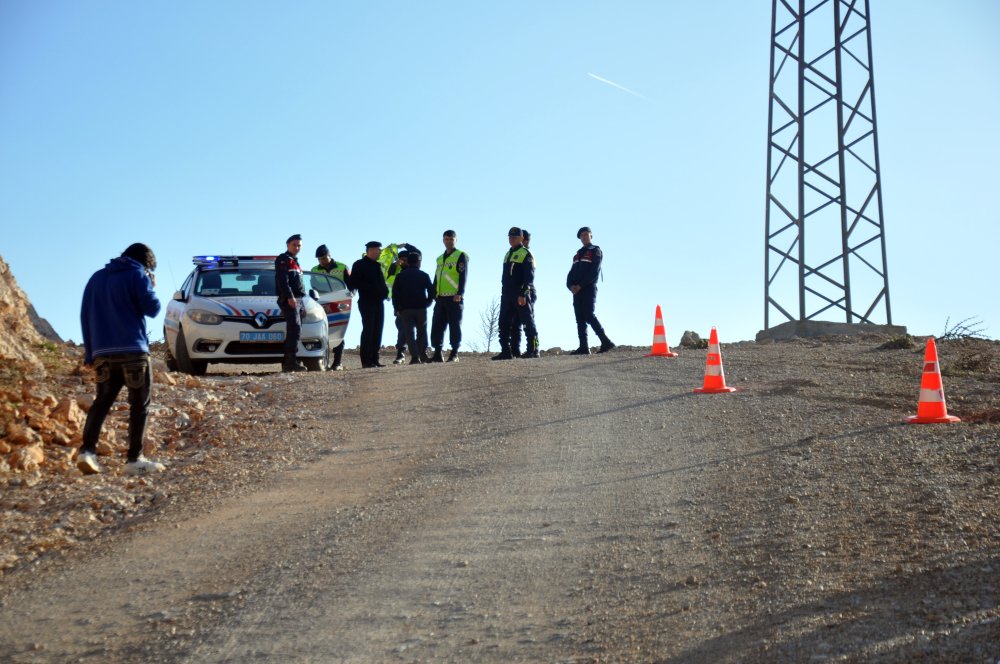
x,y
115,302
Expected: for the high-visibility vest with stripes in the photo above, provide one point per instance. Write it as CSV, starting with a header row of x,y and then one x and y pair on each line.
x,y
338,270
447,275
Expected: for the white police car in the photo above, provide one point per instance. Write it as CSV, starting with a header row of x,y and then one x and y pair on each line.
x,y
227,311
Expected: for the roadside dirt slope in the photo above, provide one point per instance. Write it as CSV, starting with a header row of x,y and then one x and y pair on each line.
x,y
563,509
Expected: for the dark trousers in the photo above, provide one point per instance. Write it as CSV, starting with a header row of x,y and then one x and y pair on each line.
x,y
584,304
447,313
372,321
338,354
113,373
400,336
511,311
516,324
413,322
293,331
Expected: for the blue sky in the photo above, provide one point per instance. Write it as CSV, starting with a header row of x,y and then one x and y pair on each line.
x,y
224,126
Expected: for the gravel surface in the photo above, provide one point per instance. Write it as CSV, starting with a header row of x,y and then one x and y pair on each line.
x,y
564,509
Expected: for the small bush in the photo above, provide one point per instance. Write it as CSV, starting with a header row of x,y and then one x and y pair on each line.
x,y
970,328
903,341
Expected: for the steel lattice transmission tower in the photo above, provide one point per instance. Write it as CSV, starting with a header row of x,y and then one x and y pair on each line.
x,y
825,242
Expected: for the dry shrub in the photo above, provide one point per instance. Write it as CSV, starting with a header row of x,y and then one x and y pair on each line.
x,y
974,360
903,341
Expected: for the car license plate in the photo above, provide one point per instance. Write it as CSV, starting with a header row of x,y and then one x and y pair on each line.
x,y
265,337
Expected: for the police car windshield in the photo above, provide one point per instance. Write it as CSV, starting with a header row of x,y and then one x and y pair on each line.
x,y
235,283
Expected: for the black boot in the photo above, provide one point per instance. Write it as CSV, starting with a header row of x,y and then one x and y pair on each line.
x,y
293,367
400,356
532,350
606,344
453,355
437,355
582,350
504,355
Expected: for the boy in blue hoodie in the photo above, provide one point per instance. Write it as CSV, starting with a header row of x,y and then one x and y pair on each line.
x,y
115,302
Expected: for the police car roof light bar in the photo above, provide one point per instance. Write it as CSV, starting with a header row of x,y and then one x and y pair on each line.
x,y
222,261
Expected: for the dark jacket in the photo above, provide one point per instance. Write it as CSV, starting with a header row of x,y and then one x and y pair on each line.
x,y
586,267
366,278
413,290
115,302
518,272
288,278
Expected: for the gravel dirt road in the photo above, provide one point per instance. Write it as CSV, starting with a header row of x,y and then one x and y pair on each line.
x,y
564,509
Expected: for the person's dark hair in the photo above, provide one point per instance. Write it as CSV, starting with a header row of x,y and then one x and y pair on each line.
x,y
449,233
141,254
413,259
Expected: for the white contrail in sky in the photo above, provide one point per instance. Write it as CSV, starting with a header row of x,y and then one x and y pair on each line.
x,y
620,87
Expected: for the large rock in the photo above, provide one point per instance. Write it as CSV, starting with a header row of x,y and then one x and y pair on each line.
x,y
18,335
42,326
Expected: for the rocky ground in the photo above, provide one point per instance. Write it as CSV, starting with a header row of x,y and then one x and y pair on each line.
x,y
795,520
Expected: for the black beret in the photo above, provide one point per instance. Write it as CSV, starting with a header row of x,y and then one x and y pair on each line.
x,y
294,238
585,229
373,243
515,231
321,251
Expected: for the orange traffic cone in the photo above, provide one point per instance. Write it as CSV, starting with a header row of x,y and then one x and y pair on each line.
x,y
930,406
660,347
715,378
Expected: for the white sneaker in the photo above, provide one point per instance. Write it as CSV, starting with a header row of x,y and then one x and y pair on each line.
x,y
143,466
87,463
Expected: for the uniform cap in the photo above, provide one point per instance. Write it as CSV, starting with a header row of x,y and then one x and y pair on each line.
x,y
294,238
373,243
585,229
514,231
321,251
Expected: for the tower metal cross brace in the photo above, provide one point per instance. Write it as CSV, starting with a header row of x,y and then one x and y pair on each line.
x,y
825,240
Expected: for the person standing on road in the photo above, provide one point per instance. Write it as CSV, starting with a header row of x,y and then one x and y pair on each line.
x,y
582,282
449,290
367,279
515,330
116,301
339,270
393,262
412,293
288,282
516,282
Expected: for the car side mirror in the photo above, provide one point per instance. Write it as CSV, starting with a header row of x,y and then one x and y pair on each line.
x,y
313,294
179,296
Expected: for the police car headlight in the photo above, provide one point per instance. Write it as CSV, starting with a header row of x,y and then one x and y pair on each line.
x,y
203,317
314,315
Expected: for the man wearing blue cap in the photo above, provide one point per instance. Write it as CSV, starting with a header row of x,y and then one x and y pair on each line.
x,y
517,282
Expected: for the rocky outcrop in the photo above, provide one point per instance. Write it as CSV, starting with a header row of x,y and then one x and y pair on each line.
x,y
42,326
18,336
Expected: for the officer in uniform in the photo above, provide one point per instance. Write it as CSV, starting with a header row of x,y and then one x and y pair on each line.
x,y
449,288
515,330
288,282
582,282
515,296
367,279
339,270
